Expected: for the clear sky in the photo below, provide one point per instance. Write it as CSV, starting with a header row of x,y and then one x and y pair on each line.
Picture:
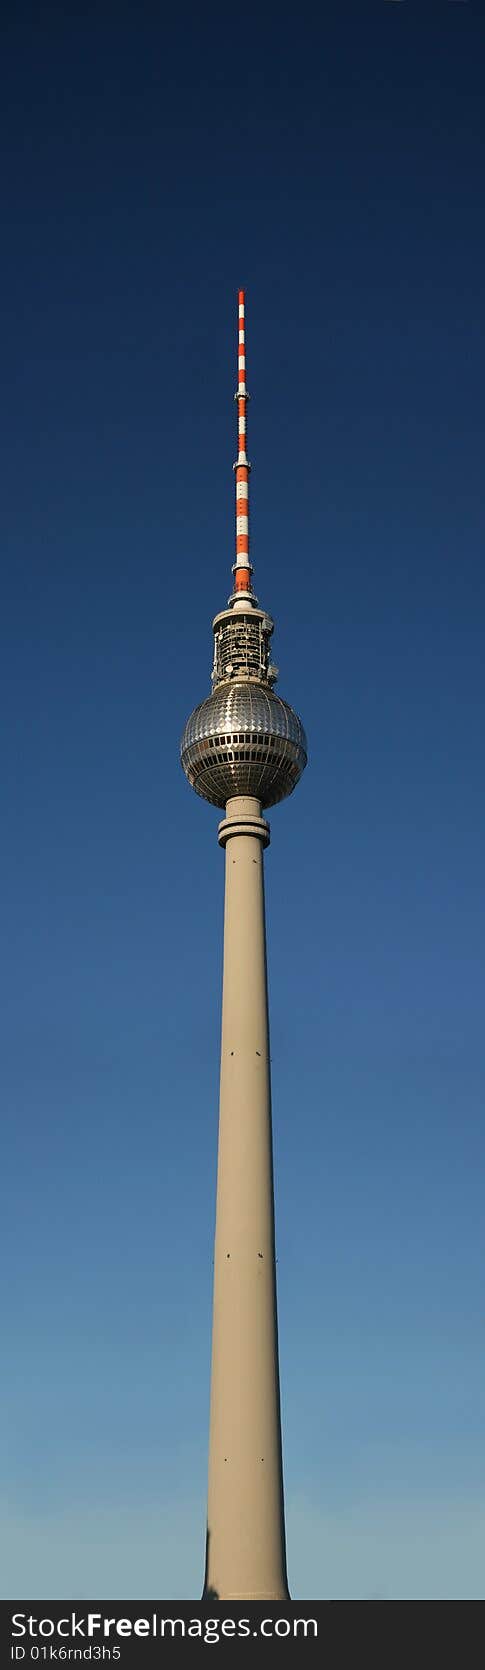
x,y
335,168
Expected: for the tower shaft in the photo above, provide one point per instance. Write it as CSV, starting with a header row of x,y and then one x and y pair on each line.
x,y
245,1525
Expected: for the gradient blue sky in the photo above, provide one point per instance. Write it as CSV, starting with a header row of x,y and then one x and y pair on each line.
x,y
335,168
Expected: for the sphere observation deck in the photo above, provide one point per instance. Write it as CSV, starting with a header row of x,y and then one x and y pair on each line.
x,y
244,739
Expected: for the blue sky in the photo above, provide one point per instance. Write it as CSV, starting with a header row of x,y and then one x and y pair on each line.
x,y
335,168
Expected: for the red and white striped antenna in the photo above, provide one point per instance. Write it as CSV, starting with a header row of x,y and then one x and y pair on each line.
x,y
242,569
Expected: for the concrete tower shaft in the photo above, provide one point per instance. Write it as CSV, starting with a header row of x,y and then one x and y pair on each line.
x,y
245,1519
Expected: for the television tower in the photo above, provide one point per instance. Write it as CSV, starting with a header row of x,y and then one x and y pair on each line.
x,y
243,749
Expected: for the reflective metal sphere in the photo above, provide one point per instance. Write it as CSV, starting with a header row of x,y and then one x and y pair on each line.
x,y
244,739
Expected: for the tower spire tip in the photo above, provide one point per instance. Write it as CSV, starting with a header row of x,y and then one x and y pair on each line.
x,y
242,566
